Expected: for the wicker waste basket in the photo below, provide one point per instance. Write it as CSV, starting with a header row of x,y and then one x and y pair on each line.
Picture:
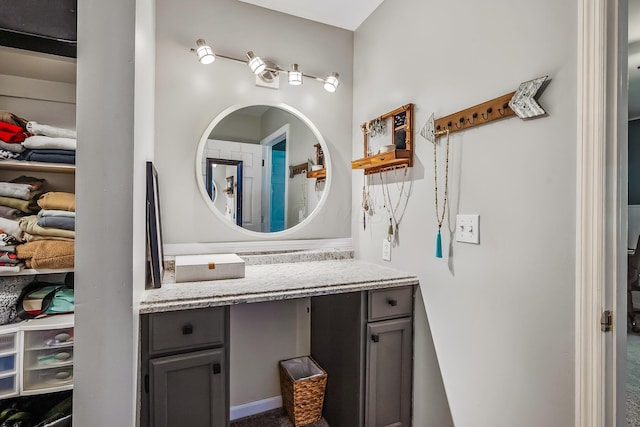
x,y
302,382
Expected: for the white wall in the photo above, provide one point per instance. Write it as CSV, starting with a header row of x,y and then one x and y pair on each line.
x,y
501,313
189,95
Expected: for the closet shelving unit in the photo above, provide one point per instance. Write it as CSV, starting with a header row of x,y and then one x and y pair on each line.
x,y
40,87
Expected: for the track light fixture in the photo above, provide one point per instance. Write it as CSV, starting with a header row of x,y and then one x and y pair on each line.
x,y
265,69
204,52
295,76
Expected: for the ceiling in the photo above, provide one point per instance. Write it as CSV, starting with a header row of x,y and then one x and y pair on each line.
x,y
347,14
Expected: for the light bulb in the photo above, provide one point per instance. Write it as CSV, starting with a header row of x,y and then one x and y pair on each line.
x,y
204,52
256,63
295,76
331,82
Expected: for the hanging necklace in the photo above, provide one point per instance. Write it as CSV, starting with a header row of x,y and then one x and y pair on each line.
x,y
392,211
440,217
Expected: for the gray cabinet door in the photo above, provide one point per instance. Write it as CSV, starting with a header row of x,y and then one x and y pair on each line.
x,y
188,390
389,374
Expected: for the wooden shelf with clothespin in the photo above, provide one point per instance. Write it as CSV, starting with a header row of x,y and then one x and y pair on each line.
x,y
399,152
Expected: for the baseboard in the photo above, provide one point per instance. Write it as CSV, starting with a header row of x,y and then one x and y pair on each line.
x,y
256,407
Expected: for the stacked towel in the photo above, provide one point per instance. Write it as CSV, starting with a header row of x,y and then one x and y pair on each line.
x,y
9,261
50,234
50,149
28,140
47,254
19,196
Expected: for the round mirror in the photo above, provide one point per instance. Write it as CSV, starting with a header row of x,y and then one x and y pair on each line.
x,y
263,168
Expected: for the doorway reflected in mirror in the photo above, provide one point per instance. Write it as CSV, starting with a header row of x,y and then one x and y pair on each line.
x,y
248,160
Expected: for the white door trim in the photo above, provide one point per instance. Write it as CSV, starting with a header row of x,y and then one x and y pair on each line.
x,y
267,143
590,216
600,220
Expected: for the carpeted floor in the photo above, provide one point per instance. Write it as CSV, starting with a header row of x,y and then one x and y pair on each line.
x,y
633,380
273,418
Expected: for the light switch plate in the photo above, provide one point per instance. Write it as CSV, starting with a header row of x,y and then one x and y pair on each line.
x,y
386,250
468,228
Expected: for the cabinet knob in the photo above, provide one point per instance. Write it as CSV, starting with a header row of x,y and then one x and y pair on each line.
x,y
187,329
392,302
375,337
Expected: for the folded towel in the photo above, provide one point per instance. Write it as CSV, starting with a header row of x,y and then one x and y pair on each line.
x,y
52,131
8,155
29,224
11,268
10,213
44,142
17,191
9,117
8,241
11,227
26,237
56,212
47,254
14,148
35,183
50,156
12,133
61,222
58,200
26,206
9,258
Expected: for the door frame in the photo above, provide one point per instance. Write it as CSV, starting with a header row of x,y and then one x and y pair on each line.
x,y
267,144
210,183
601,217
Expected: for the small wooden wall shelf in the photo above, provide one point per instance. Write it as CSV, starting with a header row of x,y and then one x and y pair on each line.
x,y
402,138
320,174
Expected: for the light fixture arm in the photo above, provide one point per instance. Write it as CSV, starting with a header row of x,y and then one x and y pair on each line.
x,y
271,67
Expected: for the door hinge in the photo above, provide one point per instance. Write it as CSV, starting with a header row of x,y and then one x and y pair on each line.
x,y
146,383
262,162
606,321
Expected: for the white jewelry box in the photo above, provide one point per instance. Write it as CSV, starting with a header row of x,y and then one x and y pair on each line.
x,y
196,268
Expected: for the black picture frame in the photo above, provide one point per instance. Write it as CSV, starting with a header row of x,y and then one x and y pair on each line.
x,y
155,255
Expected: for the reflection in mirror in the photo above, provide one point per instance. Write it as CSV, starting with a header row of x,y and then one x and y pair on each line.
x,y
264,168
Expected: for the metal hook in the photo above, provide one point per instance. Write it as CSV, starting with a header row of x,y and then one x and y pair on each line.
x,y
504,109
489,111
449,124
475,116
461,123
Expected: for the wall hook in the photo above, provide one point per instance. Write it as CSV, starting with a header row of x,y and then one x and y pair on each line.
x,y
449,124
475,116
504,109
461,123
489,111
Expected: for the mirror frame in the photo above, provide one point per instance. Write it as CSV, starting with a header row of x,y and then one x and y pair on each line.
x,y
210,203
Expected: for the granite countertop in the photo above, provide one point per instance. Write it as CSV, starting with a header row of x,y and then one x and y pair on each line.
x,y
271,282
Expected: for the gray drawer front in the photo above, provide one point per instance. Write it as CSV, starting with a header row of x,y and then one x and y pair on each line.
x,y
389,303
177,330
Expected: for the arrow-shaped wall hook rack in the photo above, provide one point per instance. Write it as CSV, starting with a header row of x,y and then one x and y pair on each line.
x,y
520,103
